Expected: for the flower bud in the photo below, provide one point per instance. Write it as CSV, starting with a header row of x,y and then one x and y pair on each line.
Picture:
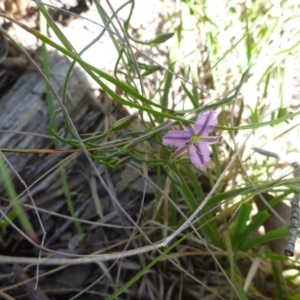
x,y
113,161
161,38
122,123
174,177
129,147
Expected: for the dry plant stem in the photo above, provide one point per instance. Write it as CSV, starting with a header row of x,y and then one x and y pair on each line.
x,y
81,260
44,136
293,229
6,296
253,270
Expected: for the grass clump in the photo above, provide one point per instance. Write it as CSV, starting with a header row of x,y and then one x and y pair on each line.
x,y
192,233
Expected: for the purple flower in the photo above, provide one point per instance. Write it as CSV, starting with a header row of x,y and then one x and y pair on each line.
x,y
194,139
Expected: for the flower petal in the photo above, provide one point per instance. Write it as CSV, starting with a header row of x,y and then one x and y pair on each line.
x,y
179,151
205,123
199,154
176,138
189,128
211,139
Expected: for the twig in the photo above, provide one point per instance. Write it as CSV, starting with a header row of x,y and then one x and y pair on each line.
x,y
293,229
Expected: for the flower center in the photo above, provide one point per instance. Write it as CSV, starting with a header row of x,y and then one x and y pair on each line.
x,y
195,139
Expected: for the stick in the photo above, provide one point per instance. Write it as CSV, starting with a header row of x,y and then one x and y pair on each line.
x,y
293,229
